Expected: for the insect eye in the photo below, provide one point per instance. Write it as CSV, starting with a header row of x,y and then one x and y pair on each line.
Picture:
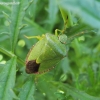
x,y
32,67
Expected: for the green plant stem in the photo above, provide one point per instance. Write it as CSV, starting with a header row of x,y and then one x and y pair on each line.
x,y
66,15
28,21
17,15
21,61
10,54
35,25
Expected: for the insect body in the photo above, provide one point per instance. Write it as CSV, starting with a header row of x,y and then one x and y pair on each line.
x,y
45,54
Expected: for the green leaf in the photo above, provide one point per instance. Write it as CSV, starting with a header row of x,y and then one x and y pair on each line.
x,y
32,9
52,14
27,90
77,48
10,54
67,17
7,79
88,10
3,50
16,21
77,29
57,87
35,25
77,93
46,88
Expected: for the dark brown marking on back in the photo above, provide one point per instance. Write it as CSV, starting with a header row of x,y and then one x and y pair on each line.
x,y
32,67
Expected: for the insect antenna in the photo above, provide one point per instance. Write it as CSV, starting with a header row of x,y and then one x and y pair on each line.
x,y
78,34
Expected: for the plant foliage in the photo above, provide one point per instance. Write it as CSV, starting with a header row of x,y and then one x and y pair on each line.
x,y
75,77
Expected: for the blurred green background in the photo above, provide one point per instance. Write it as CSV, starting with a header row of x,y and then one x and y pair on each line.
x,y
76,77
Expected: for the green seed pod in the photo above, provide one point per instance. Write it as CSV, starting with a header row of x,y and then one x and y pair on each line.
x,y
45,54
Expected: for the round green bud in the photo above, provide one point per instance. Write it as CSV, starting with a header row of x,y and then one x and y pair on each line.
x,y
1,57
21,43
63,77
3,62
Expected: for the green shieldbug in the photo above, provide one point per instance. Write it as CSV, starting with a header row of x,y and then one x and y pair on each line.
x,y
45,54
48,51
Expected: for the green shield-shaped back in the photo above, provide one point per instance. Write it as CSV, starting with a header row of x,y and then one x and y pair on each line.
x,y
45,54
